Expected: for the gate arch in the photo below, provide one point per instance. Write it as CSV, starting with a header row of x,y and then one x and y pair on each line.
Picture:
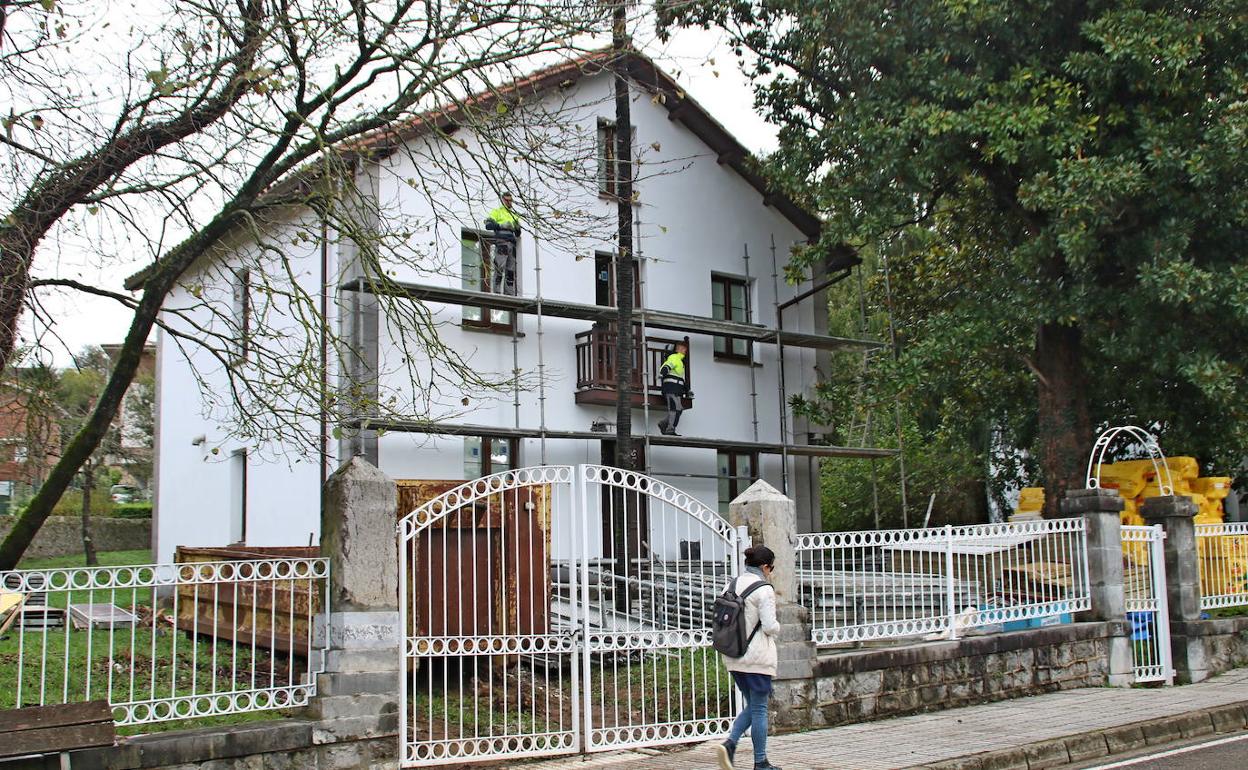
x,y
552,609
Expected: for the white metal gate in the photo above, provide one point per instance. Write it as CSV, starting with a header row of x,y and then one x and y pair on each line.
x,y
1144,588
552,609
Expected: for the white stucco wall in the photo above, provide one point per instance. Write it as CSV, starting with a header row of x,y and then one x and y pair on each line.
x,y
696,217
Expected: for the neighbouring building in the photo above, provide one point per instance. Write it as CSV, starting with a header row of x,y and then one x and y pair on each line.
x,y
712,243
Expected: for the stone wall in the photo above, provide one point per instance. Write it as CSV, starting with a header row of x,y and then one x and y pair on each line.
x,y
1225,641
871,684
62,535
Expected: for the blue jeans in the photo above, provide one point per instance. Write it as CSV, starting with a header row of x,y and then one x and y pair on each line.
x,y
753,718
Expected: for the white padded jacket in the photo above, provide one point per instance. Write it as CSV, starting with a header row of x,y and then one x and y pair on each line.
x,y
760,607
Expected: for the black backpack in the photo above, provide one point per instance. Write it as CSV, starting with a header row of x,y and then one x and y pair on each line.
x,y
728,634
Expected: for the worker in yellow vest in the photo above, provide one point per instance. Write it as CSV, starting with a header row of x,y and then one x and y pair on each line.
x,y
505,226
674,386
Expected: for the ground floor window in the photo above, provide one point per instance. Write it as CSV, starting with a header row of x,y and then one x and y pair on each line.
x,y
484,455
736,471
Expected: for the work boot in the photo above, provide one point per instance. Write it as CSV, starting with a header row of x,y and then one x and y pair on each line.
x,y
725,752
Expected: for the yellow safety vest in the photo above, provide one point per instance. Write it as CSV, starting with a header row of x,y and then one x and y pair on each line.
x,y
505,218
675,366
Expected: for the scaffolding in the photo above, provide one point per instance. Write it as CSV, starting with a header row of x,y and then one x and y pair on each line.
x,y
646,318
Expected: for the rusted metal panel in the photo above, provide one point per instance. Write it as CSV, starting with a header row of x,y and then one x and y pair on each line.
x,y
482,569
271,614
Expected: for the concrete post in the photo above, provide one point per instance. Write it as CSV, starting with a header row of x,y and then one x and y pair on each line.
x,y
1176,515
771,519
1101,510
358,694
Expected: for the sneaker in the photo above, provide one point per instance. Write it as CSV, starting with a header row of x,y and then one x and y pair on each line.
x,y
765,765
725,752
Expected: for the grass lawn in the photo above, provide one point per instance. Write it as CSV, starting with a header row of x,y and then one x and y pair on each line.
x,y
145,661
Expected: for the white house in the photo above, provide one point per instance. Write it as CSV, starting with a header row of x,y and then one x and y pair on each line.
x,y
699,211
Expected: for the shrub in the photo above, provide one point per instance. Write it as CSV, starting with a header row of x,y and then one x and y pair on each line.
x,y
133,510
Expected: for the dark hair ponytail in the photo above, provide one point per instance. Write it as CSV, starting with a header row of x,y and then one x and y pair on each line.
x,y
759,556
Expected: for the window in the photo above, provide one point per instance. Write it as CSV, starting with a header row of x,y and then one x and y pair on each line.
x,y
238,496
241,313
730,302
20,454
477,264
484,455
604,280
736,471
607,156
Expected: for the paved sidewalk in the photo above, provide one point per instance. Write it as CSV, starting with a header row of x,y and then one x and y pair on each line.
x,y
1039,722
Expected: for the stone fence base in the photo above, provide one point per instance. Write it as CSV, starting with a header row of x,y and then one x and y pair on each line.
x,y
861,685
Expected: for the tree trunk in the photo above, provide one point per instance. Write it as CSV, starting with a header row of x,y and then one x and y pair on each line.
x,y
625,456
88,486
1064,432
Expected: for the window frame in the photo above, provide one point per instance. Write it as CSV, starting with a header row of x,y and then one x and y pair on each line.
x,y
513,451
606,142
240,279
722,285
484,252
734,479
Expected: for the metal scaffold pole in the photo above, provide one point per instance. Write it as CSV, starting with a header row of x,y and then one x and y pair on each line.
x,y
892,340
640,276
745,255
784,398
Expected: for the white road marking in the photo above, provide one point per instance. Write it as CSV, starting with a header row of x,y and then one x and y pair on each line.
x,y
1172,752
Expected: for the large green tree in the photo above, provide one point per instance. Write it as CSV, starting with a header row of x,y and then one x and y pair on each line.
x,y
1078,172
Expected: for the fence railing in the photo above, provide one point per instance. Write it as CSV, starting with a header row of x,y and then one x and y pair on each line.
x,y
164,642
1144,595
1223,553
862,586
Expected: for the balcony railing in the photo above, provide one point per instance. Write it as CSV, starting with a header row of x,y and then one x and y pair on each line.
x,y
596,366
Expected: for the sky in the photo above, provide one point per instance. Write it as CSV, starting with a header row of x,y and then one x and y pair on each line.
x,y
720,87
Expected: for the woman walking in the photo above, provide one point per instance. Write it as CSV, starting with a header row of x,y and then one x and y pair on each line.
x,y
752,672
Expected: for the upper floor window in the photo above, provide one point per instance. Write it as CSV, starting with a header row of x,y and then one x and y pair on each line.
x,y
484,455
736,471
730,302
241,312
607,150
483,268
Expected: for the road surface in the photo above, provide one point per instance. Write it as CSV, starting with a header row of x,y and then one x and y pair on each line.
x,y
1229,753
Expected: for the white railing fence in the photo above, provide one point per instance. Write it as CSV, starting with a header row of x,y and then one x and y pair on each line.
x,y
1144,594
165,642
1223,553
862,586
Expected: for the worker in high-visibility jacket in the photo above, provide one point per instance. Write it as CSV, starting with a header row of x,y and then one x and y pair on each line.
x,y
674,386
505,226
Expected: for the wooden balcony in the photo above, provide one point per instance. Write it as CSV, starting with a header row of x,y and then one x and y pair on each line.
x,y
596,371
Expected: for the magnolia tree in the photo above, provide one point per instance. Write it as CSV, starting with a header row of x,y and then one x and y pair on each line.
x,y
253,128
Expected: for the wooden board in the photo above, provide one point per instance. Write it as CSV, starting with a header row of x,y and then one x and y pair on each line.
x,y
52,729
10,608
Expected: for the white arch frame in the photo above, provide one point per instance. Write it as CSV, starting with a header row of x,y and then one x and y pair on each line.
x,y
1101,446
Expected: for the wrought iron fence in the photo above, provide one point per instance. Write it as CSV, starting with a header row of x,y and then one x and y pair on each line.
x,y
164,642
1223,553
862,586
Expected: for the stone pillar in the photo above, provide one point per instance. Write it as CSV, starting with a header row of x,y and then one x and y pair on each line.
x,y
358,693
771,519
1176,515
1101,509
